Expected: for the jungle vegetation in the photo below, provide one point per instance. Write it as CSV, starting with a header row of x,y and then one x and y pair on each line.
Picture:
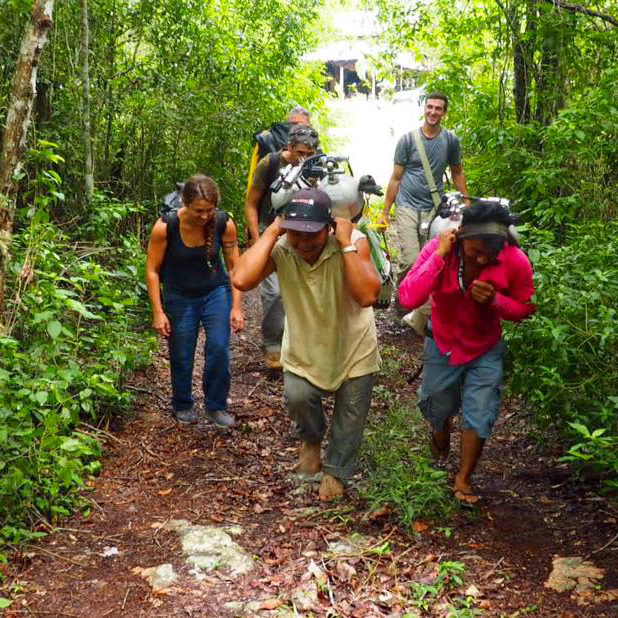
x,y
132,96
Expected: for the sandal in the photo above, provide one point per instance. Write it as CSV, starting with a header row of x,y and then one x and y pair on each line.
x,y
463,500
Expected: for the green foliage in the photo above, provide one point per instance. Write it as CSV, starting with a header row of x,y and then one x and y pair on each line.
x,y
399,470
564,357
70,339
597,449
556,174
177,88
449,578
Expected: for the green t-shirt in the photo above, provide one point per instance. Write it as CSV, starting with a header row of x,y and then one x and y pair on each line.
x,y
328,337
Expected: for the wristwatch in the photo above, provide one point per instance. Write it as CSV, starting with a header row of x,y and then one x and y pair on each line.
x,y
349,249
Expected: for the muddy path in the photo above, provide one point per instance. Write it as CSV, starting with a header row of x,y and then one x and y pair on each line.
x,y
306,558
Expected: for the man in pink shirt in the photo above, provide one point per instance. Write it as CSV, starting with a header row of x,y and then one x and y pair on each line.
x,y
476,277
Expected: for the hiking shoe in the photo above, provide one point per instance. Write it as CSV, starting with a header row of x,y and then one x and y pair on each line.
x,y
309,458
187,417
331,488
272,360
220,418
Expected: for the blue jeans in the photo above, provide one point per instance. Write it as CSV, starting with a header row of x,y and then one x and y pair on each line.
x,y
186,314
475,386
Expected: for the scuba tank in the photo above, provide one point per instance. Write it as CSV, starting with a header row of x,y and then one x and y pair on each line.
x,y
450,214
346,199
326,173
290,180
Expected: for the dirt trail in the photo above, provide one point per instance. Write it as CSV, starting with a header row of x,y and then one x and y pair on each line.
x,y
156,472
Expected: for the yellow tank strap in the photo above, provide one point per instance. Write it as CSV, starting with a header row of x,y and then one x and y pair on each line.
x,y
252,166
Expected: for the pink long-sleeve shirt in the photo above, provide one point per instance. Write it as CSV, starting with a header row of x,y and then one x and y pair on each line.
x,y
465,328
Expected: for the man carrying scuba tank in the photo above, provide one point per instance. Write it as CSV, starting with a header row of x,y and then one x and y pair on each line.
x,y
302,143
416,186
275,138
330,346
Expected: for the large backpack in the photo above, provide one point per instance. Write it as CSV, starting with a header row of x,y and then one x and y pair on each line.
x,y
276,138
269,141
266,213
171,202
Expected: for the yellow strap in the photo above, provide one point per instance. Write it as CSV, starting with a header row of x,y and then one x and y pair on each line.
x,y
252,166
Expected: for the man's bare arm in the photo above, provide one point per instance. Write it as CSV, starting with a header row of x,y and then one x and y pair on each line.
x,y
391,193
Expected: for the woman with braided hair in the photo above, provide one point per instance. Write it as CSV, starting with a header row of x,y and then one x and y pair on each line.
x,y
184,256
476,276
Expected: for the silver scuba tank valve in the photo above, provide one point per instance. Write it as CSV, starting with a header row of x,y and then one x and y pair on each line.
x,y
290,174
453,198
289,181
449,216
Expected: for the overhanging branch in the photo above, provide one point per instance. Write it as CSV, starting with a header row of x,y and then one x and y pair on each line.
x,y
576,8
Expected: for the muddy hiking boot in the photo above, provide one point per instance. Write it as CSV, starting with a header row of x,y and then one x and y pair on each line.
x,y
272,360
309,458
331,488
186,417
220,418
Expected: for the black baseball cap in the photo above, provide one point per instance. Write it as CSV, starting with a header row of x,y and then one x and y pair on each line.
x,y
307,211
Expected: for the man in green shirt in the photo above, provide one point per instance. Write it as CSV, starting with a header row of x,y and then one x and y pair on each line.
x,y
328,286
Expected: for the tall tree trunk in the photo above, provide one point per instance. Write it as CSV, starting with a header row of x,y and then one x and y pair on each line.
x,y
551,81
23,92
89,167
523,62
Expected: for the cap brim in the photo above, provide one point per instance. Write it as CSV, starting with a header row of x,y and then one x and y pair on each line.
x,y
302,226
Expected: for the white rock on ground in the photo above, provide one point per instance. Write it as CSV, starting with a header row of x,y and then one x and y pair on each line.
x,y
573,573
209,548
160,577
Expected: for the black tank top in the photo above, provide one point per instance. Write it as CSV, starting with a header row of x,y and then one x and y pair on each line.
x,y
185,270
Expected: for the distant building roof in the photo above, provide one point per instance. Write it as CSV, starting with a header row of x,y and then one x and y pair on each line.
x,y
351,51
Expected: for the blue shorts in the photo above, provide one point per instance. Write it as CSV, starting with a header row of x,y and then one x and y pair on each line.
x,y
476,387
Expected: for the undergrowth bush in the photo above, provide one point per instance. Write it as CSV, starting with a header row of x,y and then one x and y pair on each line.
x,y
565,355
399,469
400,473
71,334
556,174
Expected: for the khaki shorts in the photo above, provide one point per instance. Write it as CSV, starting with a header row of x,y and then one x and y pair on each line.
x,y
411,228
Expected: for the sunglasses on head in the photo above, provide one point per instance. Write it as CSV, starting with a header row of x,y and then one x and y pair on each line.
x,y
306,131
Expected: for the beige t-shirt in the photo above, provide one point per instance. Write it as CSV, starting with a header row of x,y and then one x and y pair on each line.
x,y
328,336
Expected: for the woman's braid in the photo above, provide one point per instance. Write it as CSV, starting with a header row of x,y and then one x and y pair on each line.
x,y
209,238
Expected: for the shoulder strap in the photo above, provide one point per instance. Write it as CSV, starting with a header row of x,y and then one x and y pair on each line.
x,y
222,219
422,153
171,220
273,167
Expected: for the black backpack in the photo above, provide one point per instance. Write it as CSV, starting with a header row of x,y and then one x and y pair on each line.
x,y
171,202
274,139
